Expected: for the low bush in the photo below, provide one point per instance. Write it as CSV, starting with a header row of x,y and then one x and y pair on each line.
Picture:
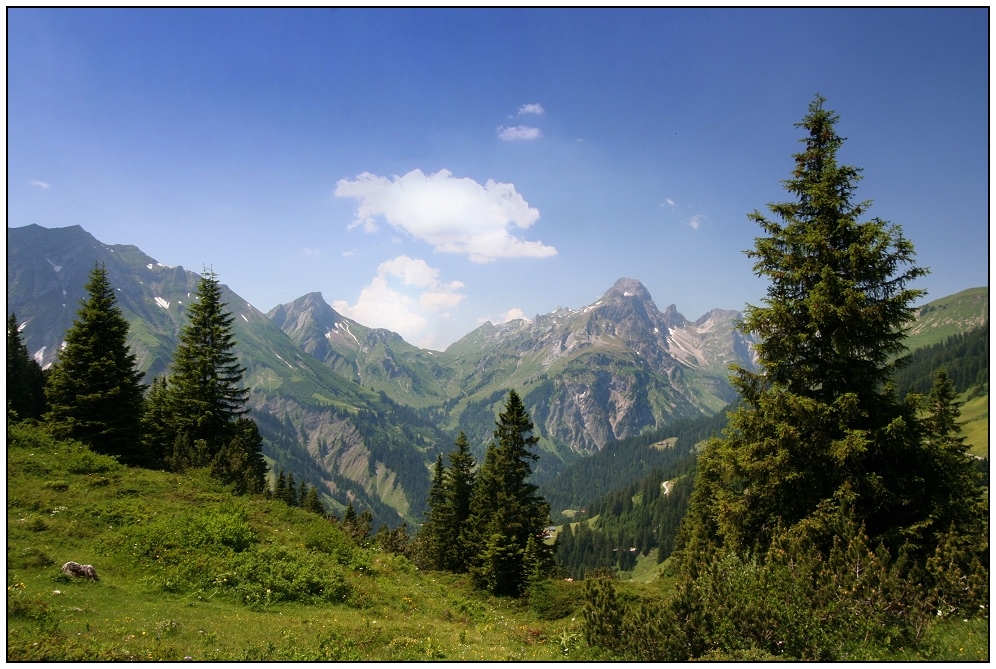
x,y
268,574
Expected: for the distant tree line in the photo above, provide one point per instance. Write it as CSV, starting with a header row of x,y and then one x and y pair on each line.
x,y
964,357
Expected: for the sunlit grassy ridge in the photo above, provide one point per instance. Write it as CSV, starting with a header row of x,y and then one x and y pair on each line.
x,y
187,570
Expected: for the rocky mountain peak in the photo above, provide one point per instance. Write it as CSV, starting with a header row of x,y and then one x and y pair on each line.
x,y
628,289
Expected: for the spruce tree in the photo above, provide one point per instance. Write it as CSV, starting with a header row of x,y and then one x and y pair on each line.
x,y
312,502
205,387
819,427
94,390
25,379
240,461
506,511
432,535
459,490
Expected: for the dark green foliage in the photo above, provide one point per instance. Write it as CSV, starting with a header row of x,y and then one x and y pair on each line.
x,y
791,603
394,541
819,418
94,390
448,512
240,461
432,536
204,395
290,495
25,379
505,510
312,502
358,526
831,520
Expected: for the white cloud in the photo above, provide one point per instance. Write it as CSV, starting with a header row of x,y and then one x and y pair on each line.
x,y
310,252
669,202
531,108
695,221
513,314
44,185
402,297
519,132
348,254
453,215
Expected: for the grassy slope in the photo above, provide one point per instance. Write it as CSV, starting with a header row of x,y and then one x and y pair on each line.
x,y
954,314
168,549
161,598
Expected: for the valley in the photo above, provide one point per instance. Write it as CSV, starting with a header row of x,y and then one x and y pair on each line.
x,y
360,413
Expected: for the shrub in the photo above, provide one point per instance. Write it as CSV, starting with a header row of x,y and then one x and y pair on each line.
x,y
81,460
268,574
553,600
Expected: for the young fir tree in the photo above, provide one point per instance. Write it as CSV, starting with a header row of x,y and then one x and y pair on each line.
x,y
25,379
819,427
432,535
312,502
94,390
205,387
240,461
460,479
505,509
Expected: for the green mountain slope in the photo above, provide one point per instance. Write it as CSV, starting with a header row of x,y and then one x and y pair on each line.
x,y
187,571
329,431
946,316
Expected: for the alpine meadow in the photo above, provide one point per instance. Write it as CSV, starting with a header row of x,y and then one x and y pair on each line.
x,y
819,516
602,350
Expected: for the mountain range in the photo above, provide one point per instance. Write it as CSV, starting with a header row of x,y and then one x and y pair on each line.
x,y
359,412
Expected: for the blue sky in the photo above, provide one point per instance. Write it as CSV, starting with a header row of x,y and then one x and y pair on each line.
x,y
426,170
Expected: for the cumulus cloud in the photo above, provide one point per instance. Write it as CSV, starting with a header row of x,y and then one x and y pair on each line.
x,y
513,314
453,215
44,185
531,108
695,221
518,133
402,297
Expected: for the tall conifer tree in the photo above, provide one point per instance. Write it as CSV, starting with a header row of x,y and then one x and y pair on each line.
x,y
25,379
819,426
205,387
506,511
94,389
460,478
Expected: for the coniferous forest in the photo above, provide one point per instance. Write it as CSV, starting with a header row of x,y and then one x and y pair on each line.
x,y
832,512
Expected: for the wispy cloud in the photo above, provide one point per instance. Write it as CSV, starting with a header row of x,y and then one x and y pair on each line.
x,y
695,221
310,252
403,297
518,133
44,185
531,108
348,254
453,215
669,202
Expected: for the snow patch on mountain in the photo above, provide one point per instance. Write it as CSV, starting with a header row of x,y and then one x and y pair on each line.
x,y
162,303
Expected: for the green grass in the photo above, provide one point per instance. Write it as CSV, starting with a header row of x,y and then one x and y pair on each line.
x,y
954,314
189,571
975,425
186,570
